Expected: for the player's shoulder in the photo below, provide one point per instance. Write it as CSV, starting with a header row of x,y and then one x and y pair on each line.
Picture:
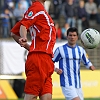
x,y
33,10
36,6
80,47
59,47
62,46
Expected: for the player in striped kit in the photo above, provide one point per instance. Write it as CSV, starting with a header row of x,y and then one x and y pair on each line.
x,y
69,57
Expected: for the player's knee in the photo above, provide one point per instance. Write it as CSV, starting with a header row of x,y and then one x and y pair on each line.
x,y
76,98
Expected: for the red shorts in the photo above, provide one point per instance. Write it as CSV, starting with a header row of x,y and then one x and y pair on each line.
x,y
39,67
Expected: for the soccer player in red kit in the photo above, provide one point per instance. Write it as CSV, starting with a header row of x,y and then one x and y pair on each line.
x,y
39,66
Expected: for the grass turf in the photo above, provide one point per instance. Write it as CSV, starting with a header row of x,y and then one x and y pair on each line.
x,y
84,99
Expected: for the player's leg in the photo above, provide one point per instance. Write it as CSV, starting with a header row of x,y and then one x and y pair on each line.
x,y
33,80
48,69
46,92
30,97
38,72
80,93
47,96
76,98
69,98
70,93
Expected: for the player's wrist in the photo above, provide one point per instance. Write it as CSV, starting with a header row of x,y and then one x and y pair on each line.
x,y
56,69
27,46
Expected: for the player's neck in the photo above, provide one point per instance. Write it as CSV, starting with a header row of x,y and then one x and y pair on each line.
x,y
41,1
71,45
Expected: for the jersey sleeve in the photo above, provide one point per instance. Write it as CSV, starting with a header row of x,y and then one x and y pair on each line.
x,y
85,59
16,28
57,55
29,17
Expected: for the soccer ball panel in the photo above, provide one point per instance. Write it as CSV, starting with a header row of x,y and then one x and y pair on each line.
x,y
90,38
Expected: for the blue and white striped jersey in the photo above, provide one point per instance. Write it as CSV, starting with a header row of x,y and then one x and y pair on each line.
x,y
69,59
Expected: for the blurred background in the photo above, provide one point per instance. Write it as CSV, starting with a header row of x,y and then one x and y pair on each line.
x,y
82,14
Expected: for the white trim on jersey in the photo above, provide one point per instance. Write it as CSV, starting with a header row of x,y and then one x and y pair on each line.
x,y
33,34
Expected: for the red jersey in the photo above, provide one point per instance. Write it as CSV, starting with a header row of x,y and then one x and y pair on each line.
x,y
40,26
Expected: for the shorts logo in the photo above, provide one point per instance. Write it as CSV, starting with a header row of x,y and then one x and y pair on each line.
x,y
30,14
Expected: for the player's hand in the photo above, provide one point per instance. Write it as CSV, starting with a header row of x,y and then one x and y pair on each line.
x,y
92,68
58,71
22,42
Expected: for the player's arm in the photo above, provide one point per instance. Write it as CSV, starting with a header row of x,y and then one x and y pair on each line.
x,y
23,32
56,58
58,71
87,62
92,68
16,38
23,37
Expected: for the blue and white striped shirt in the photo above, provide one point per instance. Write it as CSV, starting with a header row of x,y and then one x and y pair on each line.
x,y
69,59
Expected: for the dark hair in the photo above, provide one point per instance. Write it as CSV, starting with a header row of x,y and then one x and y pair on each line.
x,y
72,29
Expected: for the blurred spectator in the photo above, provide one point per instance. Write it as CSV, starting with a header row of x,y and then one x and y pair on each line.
x,y
19,12
47,5
57,7
82,20
97,2
56,4
5,18
24,4
58,31
28,1
76,2
70,11
99,14
9,4
16,1
64,30
92,10
85,1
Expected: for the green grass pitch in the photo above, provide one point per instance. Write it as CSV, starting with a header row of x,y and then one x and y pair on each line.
x,y
84,99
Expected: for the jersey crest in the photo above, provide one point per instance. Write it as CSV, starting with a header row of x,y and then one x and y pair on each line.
x,y
30,14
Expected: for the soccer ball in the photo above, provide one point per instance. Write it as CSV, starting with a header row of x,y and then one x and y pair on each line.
x,y
90,38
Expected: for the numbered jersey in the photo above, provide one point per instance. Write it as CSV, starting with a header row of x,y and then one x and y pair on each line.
x,y
40,26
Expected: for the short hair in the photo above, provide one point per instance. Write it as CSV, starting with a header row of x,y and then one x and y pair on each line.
x,y
72,29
